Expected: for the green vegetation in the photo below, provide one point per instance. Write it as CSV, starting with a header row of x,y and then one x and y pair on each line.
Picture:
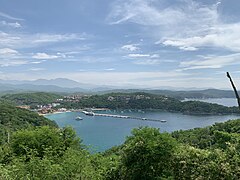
x,y
138,100
32,98
33,147
46,153
208,93
13,118
149,101
37,151
211,136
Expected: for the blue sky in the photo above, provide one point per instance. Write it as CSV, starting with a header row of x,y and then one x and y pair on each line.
x,y
141,43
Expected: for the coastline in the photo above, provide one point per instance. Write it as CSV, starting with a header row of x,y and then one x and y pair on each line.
x,y
56,112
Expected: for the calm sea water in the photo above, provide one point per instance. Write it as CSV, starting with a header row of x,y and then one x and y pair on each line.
x,y
222,101
101,133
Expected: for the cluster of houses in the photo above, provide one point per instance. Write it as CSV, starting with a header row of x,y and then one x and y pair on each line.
x,y
44,109
51,108
74,98
127,98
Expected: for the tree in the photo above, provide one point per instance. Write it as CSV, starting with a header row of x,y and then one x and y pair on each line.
x,y
43,140
147,154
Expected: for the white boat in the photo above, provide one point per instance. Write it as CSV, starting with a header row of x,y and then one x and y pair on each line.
x,y
88,113
79,118
163,120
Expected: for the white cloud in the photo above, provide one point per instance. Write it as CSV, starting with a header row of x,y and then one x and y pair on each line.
x,y
48,38
6,63
8,52
38,62
155,56
148,56
8,24
143,12
130,47
44,56
185,24
32,40
148,62
138,55
211,62
37,69
180,44
224,36
10,17
8,40
110,69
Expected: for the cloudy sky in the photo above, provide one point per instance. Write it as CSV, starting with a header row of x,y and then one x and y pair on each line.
x,y
147,43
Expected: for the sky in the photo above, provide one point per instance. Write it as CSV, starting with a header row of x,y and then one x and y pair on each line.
x,y
124,43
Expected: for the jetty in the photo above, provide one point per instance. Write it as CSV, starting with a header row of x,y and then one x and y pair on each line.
x,y
122,116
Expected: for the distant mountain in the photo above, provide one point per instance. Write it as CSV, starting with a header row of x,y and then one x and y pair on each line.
x,y
10,88
64,85
52,85
60,82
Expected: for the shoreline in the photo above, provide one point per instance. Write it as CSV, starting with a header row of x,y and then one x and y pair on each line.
x,y
57,112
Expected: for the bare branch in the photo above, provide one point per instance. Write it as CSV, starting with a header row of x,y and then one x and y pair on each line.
x,y
235,89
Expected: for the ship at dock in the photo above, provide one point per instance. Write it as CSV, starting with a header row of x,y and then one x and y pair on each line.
x,y
88,113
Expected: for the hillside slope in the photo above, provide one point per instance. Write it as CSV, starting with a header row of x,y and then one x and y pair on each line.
x,y
13,118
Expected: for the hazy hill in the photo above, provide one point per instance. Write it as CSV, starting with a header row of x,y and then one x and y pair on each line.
x,y
32,98
208,93
52,85
64,85
5,88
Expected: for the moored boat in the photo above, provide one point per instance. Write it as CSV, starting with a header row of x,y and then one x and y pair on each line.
x,y
79,118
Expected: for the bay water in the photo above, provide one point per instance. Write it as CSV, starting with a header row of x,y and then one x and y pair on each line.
x,y
222,101
101,133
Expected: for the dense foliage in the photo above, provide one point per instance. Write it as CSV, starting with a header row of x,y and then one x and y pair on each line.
x,y
38,98
50,153
149,101
207,93
37,149
209,136
47,153
13,118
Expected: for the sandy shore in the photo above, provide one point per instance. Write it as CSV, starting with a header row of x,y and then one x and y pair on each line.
x,y
56,112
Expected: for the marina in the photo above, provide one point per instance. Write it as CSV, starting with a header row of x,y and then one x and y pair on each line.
x,y
121,116
104,132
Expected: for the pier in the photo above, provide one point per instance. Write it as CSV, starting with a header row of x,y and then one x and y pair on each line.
x,y
121,116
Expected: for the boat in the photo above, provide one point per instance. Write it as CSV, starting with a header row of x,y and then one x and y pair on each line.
x,y
79,118
163,120
88,113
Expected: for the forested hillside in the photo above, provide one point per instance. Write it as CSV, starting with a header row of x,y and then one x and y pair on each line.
x,y
207,93
13,118
141,100
32,98
211,136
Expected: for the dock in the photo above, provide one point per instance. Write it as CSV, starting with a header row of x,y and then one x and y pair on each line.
x,y
121,116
